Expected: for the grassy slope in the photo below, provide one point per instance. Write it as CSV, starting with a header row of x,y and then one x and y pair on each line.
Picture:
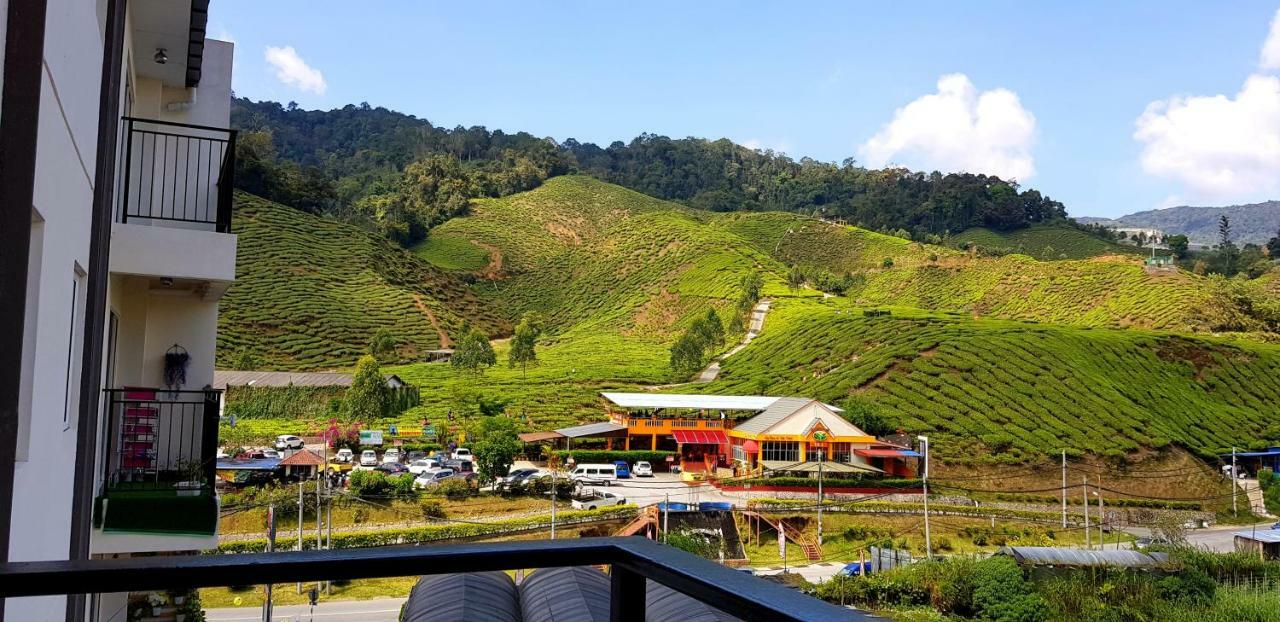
x,y
970,381
310,292
1045,241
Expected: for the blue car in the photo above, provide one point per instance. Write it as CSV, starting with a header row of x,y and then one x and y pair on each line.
x,y
624,470
856,568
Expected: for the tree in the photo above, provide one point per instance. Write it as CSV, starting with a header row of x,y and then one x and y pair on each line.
x,y
382,343
474,353
867,415
709,331
368,396
751,285
1273,247
523,343
795,278
495,446
686,354
1178,244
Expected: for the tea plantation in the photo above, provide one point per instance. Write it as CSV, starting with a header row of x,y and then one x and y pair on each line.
x,y
1017,389
1045,241
310,292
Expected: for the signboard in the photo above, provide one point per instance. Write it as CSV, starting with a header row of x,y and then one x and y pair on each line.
x,y
394,430
429,431
370,437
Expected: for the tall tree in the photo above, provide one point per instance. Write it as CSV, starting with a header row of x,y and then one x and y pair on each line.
x,y
523,345
474,354
368,396
1273,247
1178,244
382,344
495,445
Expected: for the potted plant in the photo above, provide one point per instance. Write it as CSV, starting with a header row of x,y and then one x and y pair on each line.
x,y
156,601
192,481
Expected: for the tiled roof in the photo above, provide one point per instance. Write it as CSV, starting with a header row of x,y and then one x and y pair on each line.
x,y
304,457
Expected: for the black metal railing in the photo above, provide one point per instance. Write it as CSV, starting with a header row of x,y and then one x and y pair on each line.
x,y
158,440
633,561
177,173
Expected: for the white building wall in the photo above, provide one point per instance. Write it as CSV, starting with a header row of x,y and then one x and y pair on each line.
x,y
62,198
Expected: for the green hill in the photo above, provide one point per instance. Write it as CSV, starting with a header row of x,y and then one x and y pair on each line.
x,y
1022,390
310,292
1043,241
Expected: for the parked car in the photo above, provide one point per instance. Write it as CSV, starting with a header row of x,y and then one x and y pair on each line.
x,y
598,500
368,457
392,468
515,479
461,453
270,453
344,455
423,464
622,469
461,466
642,469
416,454
431,477
595,474
391,455
289,441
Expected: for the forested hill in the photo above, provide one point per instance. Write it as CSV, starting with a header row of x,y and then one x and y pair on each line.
x,y
402,175
1254,223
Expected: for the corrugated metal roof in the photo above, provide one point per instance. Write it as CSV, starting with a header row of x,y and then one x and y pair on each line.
x,y
252,464
536,437
777,411
664,603
573,594
1057,556
463,596
603,428
699,402
1266,536
224,378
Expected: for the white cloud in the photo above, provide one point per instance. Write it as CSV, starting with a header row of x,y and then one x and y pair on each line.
x,y
1270,58
1219,147
958,129
295,72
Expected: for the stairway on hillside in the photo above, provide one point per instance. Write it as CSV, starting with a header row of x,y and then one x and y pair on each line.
x,y
1254,493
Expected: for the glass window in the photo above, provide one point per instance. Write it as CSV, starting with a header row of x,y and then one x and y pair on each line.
x,y
780,450
815,453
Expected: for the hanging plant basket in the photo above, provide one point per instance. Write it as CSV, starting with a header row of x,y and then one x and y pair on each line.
x,y
176,361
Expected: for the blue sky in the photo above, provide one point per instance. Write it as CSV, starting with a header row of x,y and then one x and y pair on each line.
x,y
1051,94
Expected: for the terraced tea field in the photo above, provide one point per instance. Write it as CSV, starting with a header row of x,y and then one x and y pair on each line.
x,y
310,292
1021,390
1046,242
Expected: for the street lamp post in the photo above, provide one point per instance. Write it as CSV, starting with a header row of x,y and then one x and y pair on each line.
x,y
928,542
821,455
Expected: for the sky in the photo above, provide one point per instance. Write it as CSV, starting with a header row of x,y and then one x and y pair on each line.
x,y
1109,107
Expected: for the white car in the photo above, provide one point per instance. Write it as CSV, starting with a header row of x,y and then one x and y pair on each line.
x,y
424,464
642,469
369,457
599,500
431,477
461,453
344,455
390,456
288,441
270,453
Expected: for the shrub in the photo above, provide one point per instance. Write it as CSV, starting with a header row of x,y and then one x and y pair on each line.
x,y
453,488
430,508
1001,594
370,484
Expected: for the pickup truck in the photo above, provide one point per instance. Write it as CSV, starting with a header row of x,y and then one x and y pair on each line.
x,y
595,500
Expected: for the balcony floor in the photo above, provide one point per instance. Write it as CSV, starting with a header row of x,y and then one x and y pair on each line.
x,y
164,512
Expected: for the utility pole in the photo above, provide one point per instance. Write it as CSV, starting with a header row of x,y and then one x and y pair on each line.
x,y
553,501
319,515
300,502
328,538
821,455
666,516
1064,489
928,542
271,547
1233,481
1088,534
1102,519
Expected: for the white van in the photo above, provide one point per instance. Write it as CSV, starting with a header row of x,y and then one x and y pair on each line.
x,y
595,474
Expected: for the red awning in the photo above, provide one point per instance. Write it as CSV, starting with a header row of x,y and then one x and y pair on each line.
x,y
700,437
886,453
751,447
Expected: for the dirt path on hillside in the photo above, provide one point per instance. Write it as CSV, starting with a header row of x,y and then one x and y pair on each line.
x,y
442,335
712,370
493,271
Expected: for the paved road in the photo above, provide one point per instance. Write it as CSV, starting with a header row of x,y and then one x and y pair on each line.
x,y
1219,539
375,610
644,491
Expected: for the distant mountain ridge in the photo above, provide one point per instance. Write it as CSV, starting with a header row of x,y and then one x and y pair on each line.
x,y
1256,222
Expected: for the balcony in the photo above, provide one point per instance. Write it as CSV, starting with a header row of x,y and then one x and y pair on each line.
x,y
177,174
173,208
635,565
161,452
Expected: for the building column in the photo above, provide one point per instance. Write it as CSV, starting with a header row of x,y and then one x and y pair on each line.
x,y
627,443
804,451
654,444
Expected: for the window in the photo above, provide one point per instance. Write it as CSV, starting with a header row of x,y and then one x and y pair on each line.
x,y
739,453
30,325
780,450
815,453
76,314
840,452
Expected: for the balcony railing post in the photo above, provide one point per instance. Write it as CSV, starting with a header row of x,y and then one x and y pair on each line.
x,y
626,595
209,436
226,185
128,168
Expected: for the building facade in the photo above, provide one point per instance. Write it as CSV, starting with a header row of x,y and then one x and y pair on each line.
x,y
128,251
